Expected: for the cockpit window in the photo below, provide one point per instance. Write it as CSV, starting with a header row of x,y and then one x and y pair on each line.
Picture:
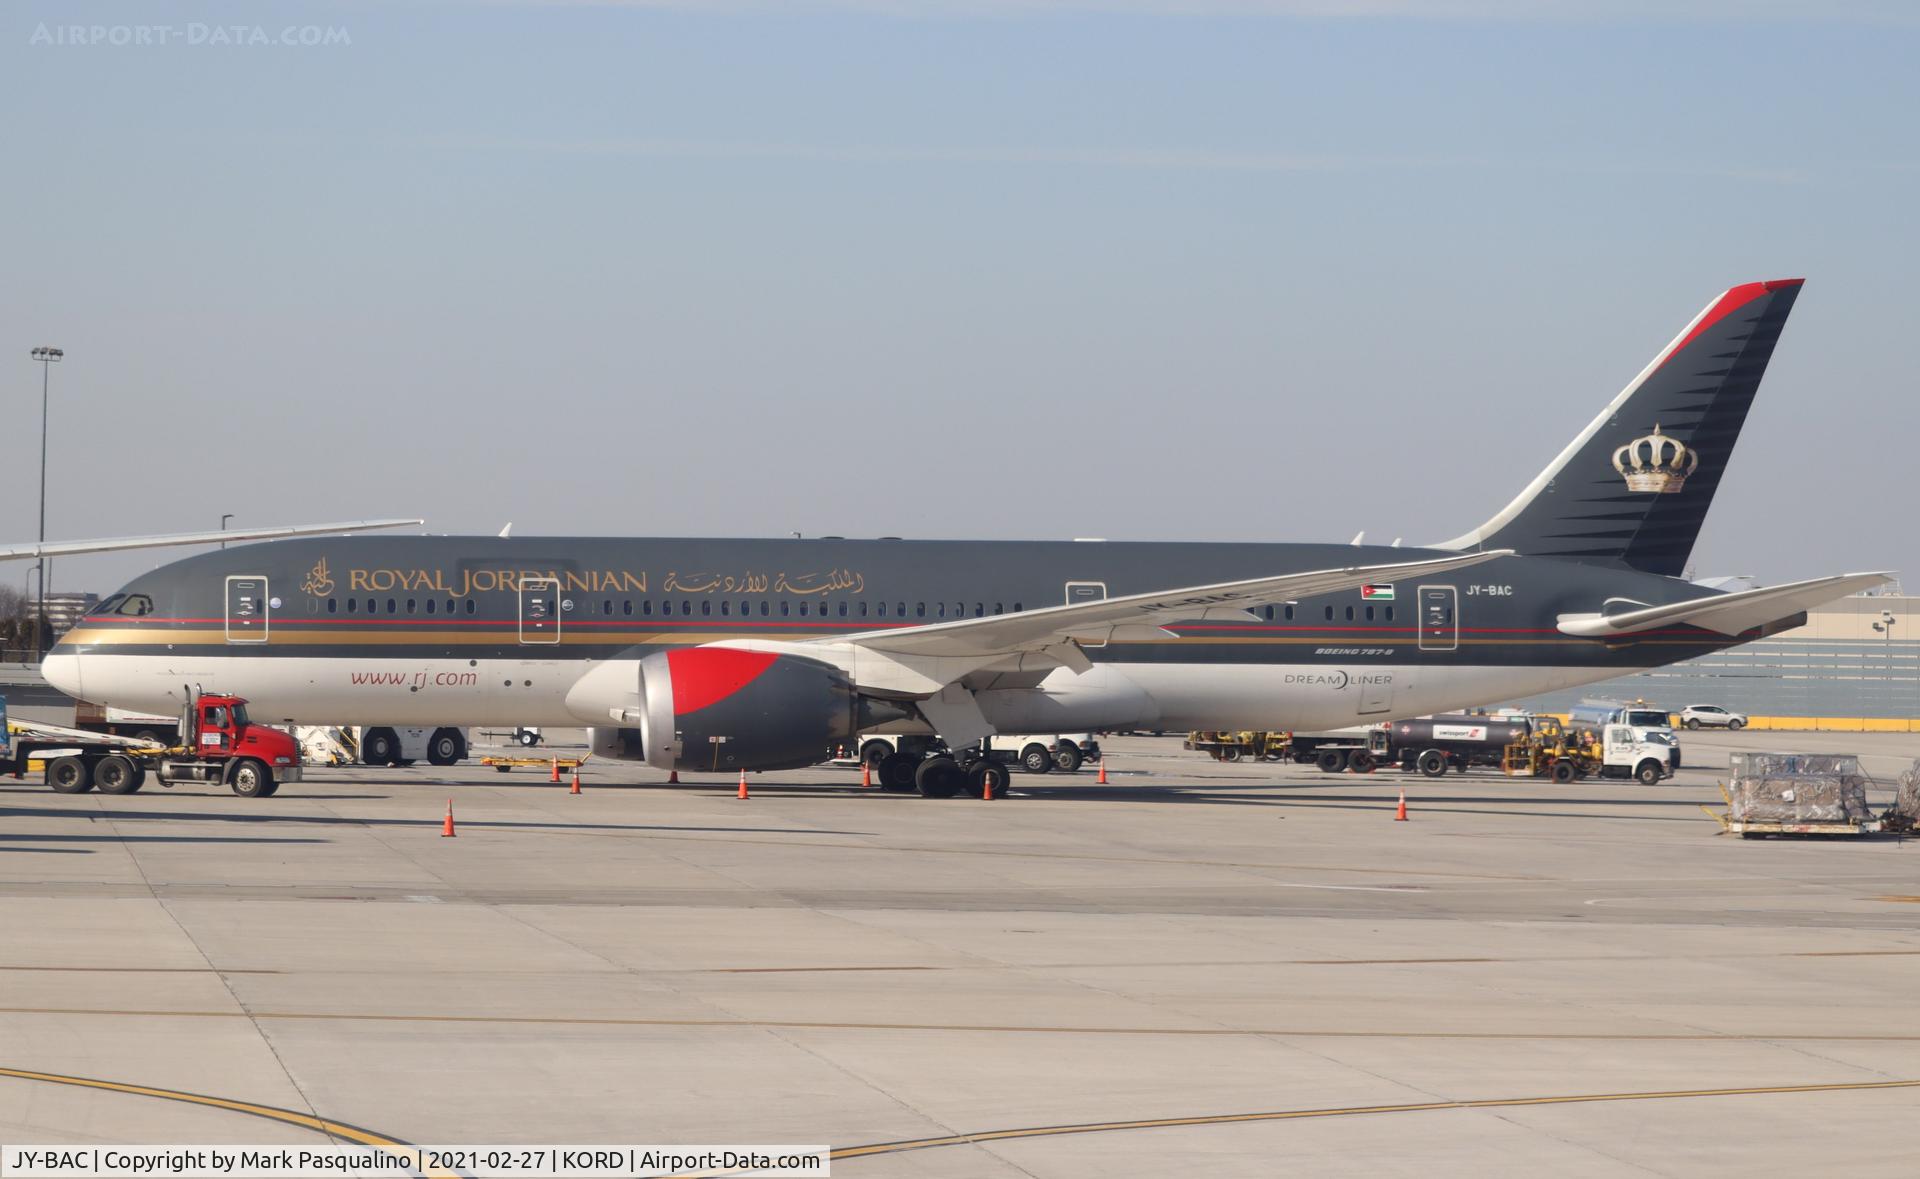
x,y
125,606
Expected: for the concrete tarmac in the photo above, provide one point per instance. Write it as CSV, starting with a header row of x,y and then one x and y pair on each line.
x,y
1255,959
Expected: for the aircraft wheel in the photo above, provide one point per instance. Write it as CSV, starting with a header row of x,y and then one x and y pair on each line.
x,y
875,752
1331,761
1067,758
1563,772
1433,763
1036,759
250,778
896,772
939,777
117,775
69,775
980,773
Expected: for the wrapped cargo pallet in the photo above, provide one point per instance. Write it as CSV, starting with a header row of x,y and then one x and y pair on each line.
x,y
1798,788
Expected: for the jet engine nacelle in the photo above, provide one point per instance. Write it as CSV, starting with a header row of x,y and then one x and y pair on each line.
x,y
721,709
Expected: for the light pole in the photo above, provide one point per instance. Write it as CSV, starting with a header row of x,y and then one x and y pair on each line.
x,y
224,517
1885,627
48,357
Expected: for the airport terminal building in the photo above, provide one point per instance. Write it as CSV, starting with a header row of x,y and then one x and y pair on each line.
x,y
1856,658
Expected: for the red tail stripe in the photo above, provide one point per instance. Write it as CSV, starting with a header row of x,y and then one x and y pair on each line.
x,y
1729,303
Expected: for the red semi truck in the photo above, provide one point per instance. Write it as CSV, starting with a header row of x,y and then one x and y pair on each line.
x,y
219,743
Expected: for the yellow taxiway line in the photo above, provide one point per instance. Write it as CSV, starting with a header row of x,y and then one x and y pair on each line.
x,y
854,1152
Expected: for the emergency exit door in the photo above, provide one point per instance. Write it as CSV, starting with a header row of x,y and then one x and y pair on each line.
x,y
539,610
247,609
1439,618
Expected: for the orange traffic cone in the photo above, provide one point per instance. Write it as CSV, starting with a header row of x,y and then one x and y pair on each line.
x,y
1400,812
743,785
986,788
556,771
576,780
1102,779
446,829
866,774
673,777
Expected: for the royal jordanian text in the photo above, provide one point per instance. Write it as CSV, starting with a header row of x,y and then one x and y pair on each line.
x,y
367,1162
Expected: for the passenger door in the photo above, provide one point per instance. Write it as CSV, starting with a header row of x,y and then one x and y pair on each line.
x,y
247,609
1081,592
1439,618
539,610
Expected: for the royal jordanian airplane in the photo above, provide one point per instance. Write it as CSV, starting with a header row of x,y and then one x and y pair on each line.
x,y
727,655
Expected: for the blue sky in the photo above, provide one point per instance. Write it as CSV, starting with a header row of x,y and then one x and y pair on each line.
x,y
1232,270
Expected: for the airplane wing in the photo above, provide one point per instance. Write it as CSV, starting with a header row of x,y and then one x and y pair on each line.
x,y
1056,628
67,548
1727,614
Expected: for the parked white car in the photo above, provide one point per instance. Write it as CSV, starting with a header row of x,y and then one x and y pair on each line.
x,y
1699,716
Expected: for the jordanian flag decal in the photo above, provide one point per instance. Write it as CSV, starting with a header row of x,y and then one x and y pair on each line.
x,y
1377,593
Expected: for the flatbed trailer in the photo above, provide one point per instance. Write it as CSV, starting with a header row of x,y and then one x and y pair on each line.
x,y
253,760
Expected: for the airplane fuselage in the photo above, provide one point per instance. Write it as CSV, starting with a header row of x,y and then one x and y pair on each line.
x,y
495,631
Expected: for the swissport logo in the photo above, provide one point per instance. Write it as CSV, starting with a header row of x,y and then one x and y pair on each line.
x,y
1379,592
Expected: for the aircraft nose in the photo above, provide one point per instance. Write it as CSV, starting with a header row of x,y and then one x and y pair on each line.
x,y
62,669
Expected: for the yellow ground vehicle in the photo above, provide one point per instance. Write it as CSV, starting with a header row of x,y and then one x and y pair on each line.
x,y
1566,755
1233,745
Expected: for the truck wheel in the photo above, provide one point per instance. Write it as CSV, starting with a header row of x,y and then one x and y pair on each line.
x,y
896,772
117,775
69,775
1067,759
1360,761
380,747
939,777
1433,763
1230,753
445,748
980,773
250,778
875,752
1648,773
1563,772
1331,761
1036,759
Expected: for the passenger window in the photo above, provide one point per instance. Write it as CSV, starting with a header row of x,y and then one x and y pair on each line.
x,y
1369,613
626,608
686,607
943,609
726,608
1289,613
900,609
706,606
883,610
803,609
1329,613
333,606
786,608
979,609
1016,607
746,608
472,605
352,603
373,606
431,603
765,608
919,609
1269,613
646,607
410,605
863,609
1389,613
393,607
1349,613
997,608
843,609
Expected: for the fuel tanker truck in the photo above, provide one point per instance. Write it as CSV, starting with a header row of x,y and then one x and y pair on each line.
x,y
1434,744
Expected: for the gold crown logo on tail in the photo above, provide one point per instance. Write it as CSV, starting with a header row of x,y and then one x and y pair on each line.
x,y
1656,463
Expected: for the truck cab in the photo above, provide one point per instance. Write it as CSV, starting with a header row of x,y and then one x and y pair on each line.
x,y
1627,752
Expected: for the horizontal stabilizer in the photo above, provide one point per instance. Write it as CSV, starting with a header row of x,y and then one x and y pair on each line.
x,y
1727,614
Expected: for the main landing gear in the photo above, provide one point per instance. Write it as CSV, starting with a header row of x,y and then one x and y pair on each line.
x,y
944,774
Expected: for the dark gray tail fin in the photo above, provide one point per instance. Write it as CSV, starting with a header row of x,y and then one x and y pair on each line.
x,y
1635,485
